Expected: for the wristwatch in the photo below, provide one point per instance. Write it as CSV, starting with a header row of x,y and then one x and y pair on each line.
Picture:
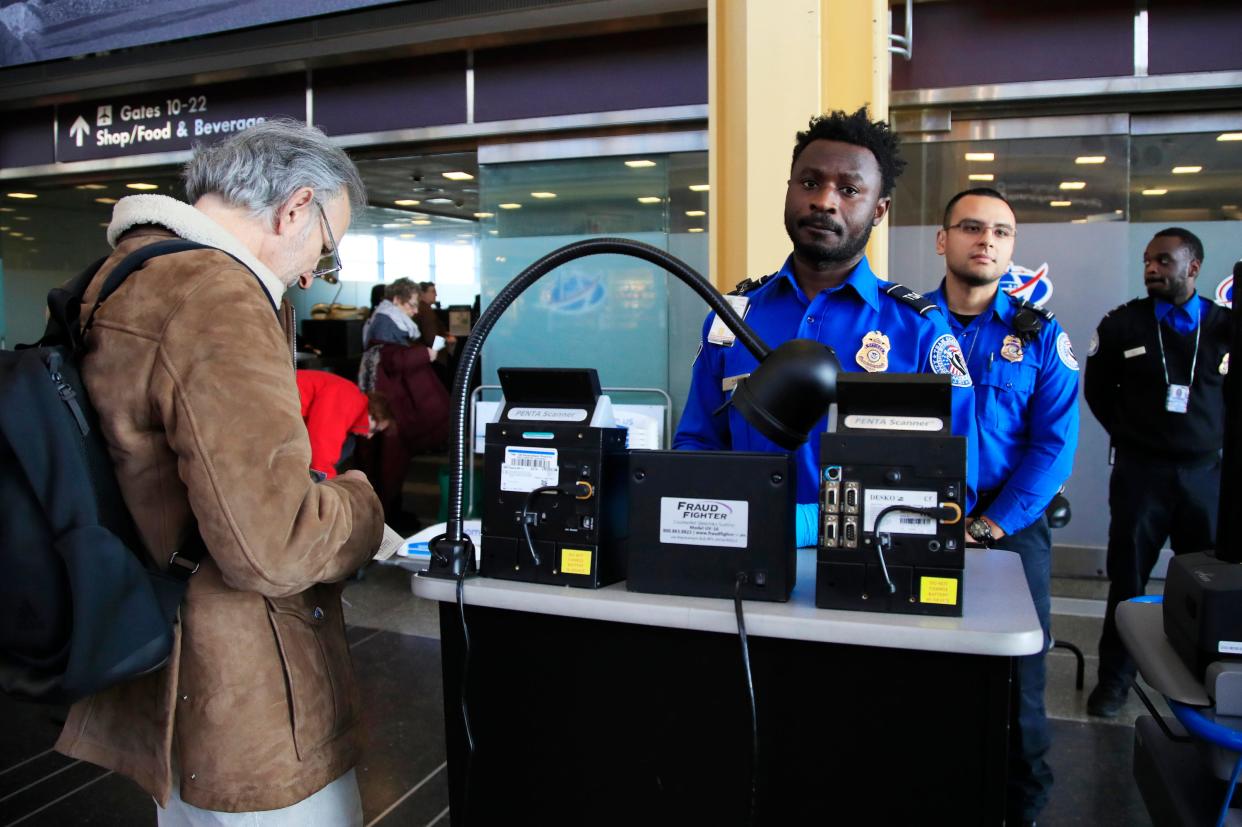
x,y
981,532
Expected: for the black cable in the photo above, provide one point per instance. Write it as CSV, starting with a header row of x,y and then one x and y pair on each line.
x,y
882,538
750,690
465,675
530,498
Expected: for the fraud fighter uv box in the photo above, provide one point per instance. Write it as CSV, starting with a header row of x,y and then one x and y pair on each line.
x,y
698,519
892,498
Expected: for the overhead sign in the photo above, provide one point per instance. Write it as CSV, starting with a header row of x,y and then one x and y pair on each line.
x,y
173,120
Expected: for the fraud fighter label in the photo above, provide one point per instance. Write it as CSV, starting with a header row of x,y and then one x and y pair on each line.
x,y
698,522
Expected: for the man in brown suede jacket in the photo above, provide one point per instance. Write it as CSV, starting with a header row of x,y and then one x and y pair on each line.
x,y
191,369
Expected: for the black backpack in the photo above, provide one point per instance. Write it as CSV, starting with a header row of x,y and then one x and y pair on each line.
x,y
81,606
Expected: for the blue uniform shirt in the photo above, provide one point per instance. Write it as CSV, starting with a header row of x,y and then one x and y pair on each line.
x,y
1026,396
1183,318
840,318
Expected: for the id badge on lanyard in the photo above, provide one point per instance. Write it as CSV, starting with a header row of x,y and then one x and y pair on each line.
x,y
1177,400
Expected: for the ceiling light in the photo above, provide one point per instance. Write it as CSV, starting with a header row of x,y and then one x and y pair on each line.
x,y
90,187
1059,203
543,195
650,199
407,202
1229,136
7,209
493,232
484,214
696,229
105,200
22,195
1078,221
1222,206
696,213
1186,170
139,185
1073,185
980,156
21,218
700,187
4,229
439,200
393,226
421,222
511,205
640,164
465,235
1155,192
458,176
981,176
1090,159
407,235
462,241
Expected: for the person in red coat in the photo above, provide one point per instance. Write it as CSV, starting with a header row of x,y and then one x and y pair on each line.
x,y
398,365
336,412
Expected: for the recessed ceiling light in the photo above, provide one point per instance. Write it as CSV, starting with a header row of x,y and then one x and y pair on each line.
x,y
462,241
1229,136
421,222
696,229
22,195
8,209
1073,185
90,187
457,175
4,229
15,234
1187,170
1222,206
407,202
981,176
980,156
393,226
105,200
1059,203
484,214
407,235
1090,159
650,199
1078,221
465,235
104,224
696,213
700,187
439,200
543,195
140,185
1155,191
493,232
641,163
512,205
21,218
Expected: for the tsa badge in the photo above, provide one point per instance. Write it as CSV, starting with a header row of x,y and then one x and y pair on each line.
x,y
1011,349
873,355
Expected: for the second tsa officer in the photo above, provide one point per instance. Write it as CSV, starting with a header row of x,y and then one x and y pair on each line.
x,y
1026,396
842,176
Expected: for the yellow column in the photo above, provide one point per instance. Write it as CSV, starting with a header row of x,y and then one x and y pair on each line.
x,y
772,66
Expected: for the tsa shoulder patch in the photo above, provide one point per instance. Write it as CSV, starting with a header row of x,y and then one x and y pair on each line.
x,y
946,358
1065,351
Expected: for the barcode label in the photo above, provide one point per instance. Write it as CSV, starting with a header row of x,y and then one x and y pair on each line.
x,y
876,500
526,469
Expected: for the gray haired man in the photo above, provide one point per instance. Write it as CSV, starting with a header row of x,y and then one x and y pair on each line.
x,y
189,365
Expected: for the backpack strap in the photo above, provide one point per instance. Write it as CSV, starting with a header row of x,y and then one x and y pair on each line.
x,y
131,263
908,297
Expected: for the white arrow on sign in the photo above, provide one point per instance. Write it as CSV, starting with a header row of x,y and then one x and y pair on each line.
x,y
79,130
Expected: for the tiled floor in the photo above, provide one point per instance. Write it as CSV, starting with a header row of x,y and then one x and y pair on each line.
x,y
394,640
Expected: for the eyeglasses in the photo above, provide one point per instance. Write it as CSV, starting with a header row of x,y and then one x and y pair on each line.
x,y
1001,232
330,274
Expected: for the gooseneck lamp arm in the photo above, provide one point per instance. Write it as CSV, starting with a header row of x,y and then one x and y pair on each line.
x,y
802,374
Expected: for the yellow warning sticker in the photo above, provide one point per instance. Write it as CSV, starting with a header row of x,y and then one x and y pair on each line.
x,y
942,590
575,561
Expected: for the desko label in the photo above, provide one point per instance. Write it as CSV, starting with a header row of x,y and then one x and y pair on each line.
x,y
693,522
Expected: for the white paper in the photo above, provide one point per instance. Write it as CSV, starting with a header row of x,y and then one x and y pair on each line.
x,y
898,522
697,522
526,469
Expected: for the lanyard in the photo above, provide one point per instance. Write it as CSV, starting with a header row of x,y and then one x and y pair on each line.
x,y
1194,360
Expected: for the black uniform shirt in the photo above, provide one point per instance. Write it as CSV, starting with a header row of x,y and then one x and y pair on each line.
x,y
1126,389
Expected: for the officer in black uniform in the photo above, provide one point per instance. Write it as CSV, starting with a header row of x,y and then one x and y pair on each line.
x,y
1155,380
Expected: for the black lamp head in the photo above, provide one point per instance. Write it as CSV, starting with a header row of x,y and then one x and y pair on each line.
x,y
789,391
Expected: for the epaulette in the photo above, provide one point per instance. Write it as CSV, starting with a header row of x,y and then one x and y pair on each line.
x,y
1123,306
1022,304
747,285
907,296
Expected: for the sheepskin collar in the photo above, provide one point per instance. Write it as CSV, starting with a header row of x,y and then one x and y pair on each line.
x,y
192,225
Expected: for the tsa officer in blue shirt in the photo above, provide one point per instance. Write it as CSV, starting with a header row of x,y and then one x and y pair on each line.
x,y
1026,397
843,172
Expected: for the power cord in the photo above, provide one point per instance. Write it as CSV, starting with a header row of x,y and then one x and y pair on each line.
x,y
465,675
742,579
884,541
526,516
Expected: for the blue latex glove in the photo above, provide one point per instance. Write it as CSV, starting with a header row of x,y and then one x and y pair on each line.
x,y
806,524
